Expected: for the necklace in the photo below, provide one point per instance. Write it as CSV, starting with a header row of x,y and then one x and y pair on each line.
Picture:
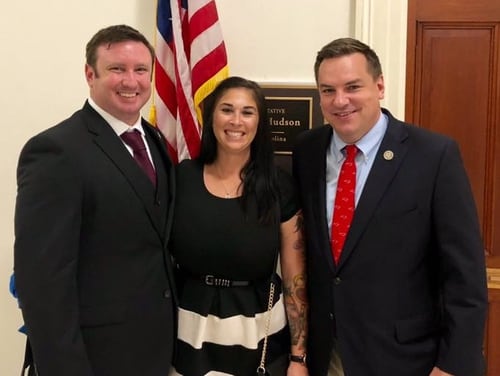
x,y
228,195
227,191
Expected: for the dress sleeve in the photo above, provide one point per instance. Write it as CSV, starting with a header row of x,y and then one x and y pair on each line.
x,y
289,204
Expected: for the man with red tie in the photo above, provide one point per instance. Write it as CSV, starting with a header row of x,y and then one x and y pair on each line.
x,y
396,273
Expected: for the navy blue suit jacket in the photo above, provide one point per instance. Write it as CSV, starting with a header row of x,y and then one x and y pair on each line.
x,y
409,291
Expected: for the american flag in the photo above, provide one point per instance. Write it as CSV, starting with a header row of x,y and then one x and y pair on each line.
x,y
190,60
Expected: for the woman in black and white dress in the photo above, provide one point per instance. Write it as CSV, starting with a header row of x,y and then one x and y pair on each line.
x,y
236,221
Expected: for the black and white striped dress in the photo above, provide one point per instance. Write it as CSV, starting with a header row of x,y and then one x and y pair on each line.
x,y
221,329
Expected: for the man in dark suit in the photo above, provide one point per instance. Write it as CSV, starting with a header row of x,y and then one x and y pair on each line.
x,y
407,296
93,272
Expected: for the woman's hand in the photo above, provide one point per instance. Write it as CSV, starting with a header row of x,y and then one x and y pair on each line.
x,y
297,369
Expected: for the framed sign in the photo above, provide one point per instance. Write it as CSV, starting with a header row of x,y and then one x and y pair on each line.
x,y
291,110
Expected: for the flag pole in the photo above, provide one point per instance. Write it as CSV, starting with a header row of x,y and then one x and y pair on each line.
x,y
152,108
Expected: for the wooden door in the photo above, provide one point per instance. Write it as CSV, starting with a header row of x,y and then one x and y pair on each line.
x,y
453,87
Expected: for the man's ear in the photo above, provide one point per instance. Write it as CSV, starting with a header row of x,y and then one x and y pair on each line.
x,y
381,87
90,74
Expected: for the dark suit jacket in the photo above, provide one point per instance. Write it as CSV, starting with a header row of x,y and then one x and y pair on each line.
x,y
92,268
409,291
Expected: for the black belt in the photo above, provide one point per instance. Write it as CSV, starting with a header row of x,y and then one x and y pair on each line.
x,y
211,280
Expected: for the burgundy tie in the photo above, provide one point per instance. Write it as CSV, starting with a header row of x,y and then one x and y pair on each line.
x,y
134,140
343,209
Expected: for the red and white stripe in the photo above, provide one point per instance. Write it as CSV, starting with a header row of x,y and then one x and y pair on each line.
x,y
189,63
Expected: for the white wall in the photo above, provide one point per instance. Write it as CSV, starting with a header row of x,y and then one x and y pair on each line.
x,y
42,77
277,41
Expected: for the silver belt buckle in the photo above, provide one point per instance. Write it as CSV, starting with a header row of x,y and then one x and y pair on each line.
x,y
209,280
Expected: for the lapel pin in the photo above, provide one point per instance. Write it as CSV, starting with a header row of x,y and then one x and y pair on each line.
x,y
388,155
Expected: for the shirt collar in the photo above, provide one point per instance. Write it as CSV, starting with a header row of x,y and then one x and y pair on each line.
x,y
366,144
118,126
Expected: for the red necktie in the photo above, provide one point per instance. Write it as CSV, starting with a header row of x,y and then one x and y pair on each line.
x,y
134,140
343,209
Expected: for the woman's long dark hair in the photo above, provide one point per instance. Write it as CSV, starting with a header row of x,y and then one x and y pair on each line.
x,y
259,173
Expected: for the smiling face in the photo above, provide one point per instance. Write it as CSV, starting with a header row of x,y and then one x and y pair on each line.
x,y
349,95
235,121
120,82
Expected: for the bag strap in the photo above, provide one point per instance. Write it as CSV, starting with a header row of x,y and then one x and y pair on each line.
x,y
261,369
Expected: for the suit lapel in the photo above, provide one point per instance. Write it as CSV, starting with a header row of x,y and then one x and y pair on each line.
x,y
107,140
165,173
380,177
317,185
166,185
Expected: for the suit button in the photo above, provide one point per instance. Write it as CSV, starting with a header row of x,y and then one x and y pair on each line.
x,y
158,202
330,315
337,281
167,294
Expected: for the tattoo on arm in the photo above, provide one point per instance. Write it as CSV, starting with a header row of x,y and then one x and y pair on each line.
x,y
299,244
296,307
